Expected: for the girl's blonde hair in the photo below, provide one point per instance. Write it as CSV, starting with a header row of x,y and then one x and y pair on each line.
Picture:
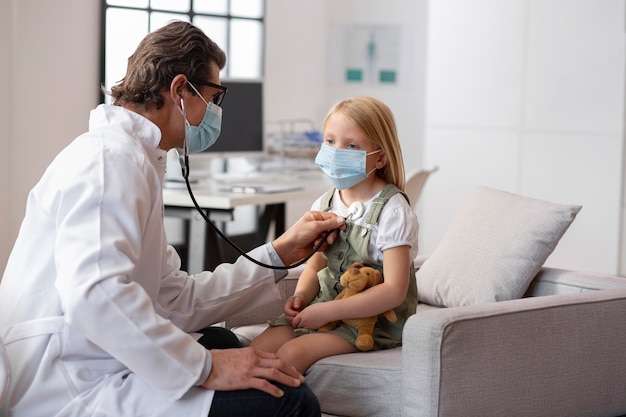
x,y
376,121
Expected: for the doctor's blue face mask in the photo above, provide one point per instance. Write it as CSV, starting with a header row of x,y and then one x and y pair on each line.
x,y
343,167
199,138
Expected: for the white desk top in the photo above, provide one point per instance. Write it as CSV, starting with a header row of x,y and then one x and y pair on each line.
x,y
210,194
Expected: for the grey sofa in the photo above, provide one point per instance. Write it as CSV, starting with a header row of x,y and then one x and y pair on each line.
x,y
559,351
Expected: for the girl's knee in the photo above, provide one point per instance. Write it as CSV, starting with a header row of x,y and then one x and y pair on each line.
x,y
272,338
289,351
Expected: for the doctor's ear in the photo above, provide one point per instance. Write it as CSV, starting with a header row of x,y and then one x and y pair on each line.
x,y
177,87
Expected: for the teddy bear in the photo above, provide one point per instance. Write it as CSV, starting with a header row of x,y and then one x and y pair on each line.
x,y
354,280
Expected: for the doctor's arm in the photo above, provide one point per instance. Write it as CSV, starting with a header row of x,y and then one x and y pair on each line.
x,y
209,297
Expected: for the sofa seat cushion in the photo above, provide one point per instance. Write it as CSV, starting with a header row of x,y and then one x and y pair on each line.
x,y
553,281
358,384
246,334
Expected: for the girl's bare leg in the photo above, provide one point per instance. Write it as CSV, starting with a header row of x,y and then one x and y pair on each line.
x,y
302,352
273,338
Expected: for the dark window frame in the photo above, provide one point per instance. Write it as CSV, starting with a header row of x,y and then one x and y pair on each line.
x,y
228,17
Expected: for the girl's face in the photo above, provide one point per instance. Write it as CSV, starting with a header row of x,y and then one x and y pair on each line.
x,y
342,133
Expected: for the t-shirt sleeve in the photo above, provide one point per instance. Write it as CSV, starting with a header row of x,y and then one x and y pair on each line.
x,y
398,226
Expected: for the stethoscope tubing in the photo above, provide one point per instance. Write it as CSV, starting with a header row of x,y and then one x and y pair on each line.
x,y
185,170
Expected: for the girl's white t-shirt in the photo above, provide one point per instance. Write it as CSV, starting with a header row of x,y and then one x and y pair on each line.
x,y
397,224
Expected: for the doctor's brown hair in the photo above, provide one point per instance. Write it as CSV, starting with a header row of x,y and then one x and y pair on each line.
x,y
177,48
375,119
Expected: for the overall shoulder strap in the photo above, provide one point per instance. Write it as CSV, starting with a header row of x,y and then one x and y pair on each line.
x,y
327,199
379,202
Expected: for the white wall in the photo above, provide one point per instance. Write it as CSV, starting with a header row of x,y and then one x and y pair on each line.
x,y
297,75
524,95
52,76
6,235
527,96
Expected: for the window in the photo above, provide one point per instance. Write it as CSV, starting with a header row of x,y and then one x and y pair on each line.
x,y
235,25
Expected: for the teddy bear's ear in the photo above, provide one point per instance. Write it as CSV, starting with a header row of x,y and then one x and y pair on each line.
x,y
357,265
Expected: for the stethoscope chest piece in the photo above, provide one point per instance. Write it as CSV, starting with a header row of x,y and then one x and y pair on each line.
x,y
355,211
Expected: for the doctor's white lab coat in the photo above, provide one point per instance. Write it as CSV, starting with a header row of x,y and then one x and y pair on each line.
x,y
94,311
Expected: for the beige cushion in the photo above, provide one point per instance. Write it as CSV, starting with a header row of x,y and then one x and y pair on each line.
x,y
492,249
363,384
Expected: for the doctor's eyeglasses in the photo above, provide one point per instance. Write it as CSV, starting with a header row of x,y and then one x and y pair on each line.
x,y
218,97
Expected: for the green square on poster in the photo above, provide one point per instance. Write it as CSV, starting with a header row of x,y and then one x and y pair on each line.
x,y
387,76
353,74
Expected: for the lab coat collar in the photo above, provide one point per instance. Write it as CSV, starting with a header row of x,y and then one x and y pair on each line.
x,y
137,126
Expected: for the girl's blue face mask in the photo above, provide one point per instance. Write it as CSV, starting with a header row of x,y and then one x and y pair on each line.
x,y
199,138
344,167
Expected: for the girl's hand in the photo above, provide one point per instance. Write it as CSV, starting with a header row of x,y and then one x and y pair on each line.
x,y
312,317
293,306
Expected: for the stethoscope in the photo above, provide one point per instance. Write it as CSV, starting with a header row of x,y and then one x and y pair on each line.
x,y
355,211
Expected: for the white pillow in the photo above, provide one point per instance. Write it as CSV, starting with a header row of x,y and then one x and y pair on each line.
x,y
492,249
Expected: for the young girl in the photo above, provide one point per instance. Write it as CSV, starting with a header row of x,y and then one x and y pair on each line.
x,y
361,156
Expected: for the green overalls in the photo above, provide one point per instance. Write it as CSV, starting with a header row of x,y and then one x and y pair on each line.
x,y
349,247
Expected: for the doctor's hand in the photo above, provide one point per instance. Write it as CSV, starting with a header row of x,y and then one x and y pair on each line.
x,y
300,239
245,368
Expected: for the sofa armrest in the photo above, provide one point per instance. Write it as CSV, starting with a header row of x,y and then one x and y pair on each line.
x,y
560,355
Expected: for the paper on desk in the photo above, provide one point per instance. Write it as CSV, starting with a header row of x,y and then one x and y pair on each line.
x,y
260,189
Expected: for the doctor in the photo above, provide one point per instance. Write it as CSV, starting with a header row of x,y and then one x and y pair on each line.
x,y
96,315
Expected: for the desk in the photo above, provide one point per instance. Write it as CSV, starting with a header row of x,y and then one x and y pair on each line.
x,y
203,249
